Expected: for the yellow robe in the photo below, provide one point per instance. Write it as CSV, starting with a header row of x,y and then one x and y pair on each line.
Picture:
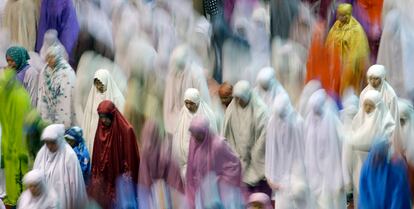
x,y
351,42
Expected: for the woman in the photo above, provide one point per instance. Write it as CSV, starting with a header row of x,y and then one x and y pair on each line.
x,y
14,106
103,88
322,153
311,87
194,106
17,58
56,85
284,168
209,153
115,154
74,137
39,194
373,120
61,166
267,86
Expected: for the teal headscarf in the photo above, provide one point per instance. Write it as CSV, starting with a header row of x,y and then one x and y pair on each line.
x,y
19,55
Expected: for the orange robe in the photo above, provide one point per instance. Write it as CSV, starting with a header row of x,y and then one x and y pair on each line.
x,y
351,43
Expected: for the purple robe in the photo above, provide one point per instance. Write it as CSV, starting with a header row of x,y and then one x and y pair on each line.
x,y
61,16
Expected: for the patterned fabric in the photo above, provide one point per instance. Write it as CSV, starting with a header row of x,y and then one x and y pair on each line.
x,y
19,56
76,133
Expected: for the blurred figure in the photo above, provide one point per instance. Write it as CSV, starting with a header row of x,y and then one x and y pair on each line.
x,y
14,106
61,166
74,137
115,154
184,73
17,58
350,103
376,81
259,201
310,88
33,126
20,19
282,14
267,87
39,194
245,129
384,182
347,37
61,16
226,94
126,193
323,138
157,159
396,47
51,39
209,153
372,121
194,106
103,88
284,167
56,87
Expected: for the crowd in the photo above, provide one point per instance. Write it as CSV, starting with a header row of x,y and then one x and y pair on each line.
x,y
206,104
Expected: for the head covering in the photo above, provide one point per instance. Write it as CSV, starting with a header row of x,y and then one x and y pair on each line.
x,y
242,90
407,129
384,182
112,93
19,56
261,198
51,39
311,87
115,153
181,139
225,90
59,54
54,132
34,176
322,146
210,155
367,127
377,71
344,8
266,79
75,133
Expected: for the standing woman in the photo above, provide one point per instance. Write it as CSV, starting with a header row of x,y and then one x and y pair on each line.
x,y
56,85
115,154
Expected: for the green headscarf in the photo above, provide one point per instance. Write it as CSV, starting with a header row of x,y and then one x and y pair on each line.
x,y
19,55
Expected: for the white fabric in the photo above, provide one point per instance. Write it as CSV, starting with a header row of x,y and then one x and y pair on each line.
x,y
181,141
245,130
266,79
322,153
310,88
183,74
62,169
91,117
284,156
407,130
30,82
51,39
366,128
47,199
389,98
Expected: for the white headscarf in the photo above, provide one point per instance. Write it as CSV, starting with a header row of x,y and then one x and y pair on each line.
x,y
267,79
184,73
322,153
62,169
368,127
91,117
51,39
181,141
310,88
47,199
407,130
245,130
284,154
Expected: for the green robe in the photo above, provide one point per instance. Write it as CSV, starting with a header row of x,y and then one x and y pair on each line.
x,y
14,106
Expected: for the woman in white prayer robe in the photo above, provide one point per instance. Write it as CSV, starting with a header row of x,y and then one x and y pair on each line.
x,y
194,105
184,73
267,87
103,88
244,128
310,88
407,129
39,195
61,166
376,81
322,153
284,167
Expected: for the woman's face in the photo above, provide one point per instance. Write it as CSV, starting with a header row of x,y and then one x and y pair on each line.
x,y
35,189
99,86
374,81
369,106
71,142
241,102
10,62
52,145
51,61
191,106
256,205
106,120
